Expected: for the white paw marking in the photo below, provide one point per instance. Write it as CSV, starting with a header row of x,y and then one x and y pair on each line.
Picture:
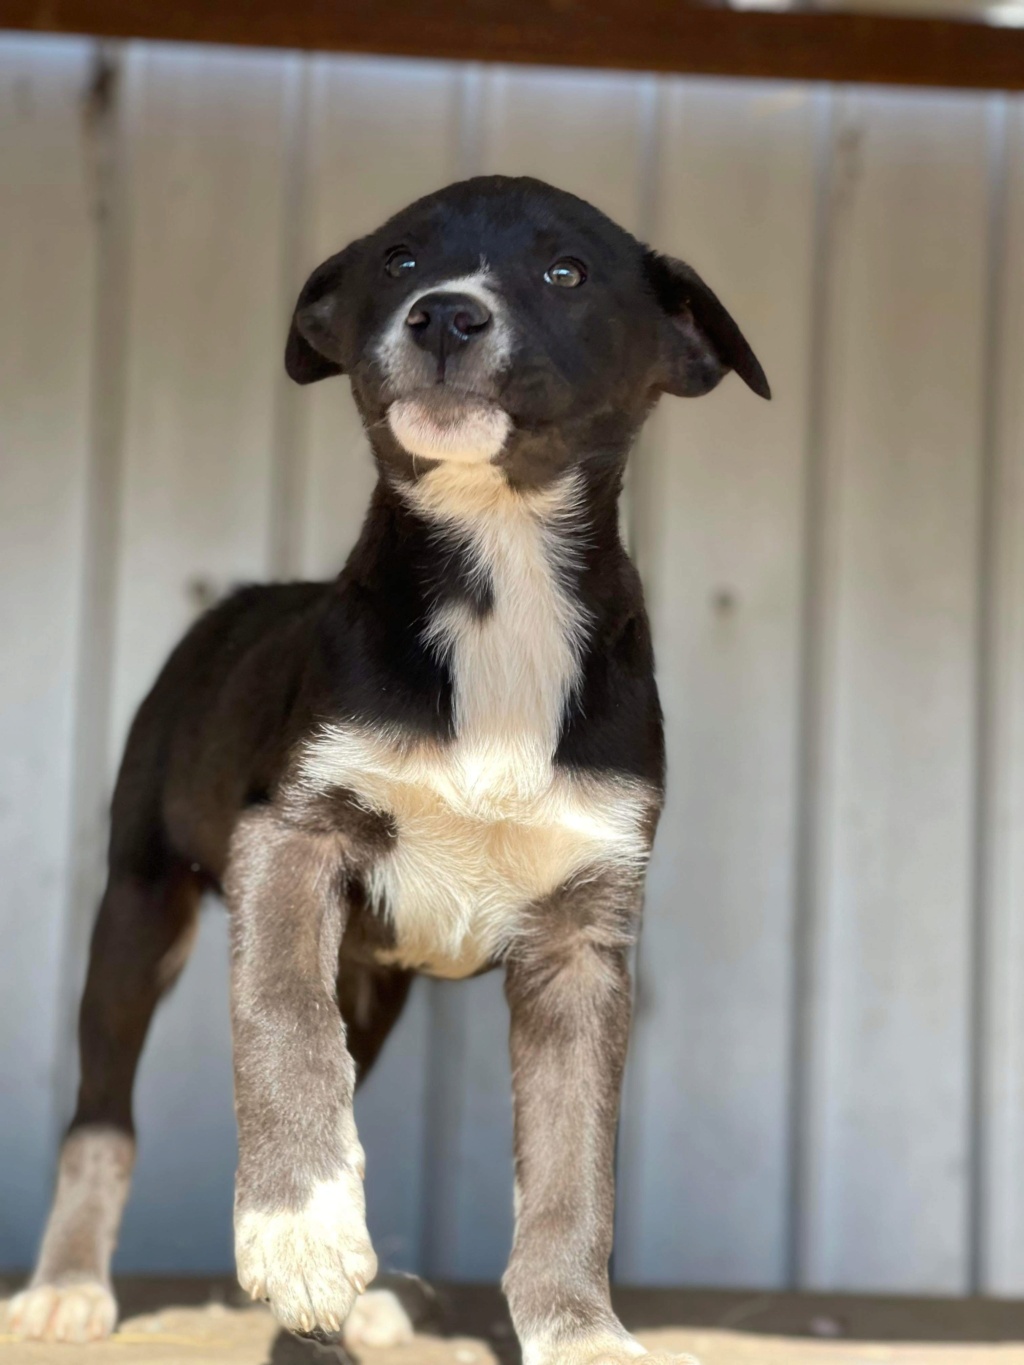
x,y
310,1265
71,1312
378,1319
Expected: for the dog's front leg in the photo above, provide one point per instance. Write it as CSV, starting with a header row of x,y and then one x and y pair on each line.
x,y
300,1221
569,995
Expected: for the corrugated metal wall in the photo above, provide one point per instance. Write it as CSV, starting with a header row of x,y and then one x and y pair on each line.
x,y
827,1082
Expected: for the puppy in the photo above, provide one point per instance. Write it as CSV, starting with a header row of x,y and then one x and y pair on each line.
x,y
447,760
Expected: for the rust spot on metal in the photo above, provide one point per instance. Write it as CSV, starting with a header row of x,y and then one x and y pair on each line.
x,y
98,102
101,88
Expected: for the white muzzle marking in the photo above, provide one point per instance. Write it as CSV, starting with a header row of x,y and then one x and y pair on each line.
x,y
471,432
464,428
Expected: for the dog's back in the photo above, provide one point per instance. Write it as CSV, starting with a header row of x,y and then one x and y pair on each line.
x,y
212,733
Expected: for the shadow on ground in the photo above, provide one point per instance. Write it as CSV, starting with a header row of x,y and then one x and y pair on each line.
x,y
479,1312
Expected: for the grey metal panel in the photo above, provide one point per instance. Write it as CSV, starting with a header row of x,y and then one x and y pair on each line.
x,y
1000,1041
886,1185
468,1195
718,525
47,279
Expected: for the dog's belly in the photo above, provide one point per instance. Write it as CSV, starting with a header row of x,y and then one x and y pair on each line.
x,y
456,886
479,839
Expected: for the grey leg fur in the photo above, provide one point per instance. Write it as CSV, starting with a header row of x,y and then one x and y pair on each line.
x,y
300,1221
569,997
69,1297
143,934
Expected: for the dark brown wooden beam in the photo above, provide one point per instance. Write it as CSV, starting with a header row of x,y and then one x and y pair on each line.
x,y
647,35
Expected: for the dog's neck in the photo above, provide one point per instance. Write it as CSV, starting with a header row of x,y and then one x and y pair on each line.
x,y
515,666
535,471
443,522
492,593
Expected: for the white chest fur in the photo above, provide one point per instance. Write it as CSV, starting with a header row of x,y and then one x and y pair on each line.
x,y
486,824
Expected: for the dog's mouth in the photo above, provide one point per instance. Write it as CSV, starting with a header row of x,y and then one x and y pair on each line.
x,y
445,423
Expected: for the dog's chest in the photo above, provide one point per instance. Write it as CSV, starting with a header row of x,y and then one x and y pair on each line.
x,y
486,825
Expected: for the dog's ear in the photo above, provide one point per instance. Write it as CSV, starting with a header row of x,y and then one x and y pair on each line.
x,y
313,349
702,343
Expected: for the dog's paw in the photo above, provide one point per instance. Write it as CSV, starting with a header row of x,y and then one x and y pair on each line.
x,y
604,1349
78,1313
378,1319
309,1264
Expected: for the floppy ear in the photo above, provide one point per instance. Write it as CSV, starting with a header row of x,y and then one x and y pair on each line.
x,y
702,342
312,351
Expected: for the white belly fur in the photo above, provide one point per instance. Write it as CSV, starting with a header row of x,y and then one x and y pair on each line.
x,y
485,824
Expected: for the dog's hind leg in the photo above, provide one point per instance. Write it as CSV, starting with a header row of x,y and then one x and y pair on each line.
x,y
371,999
140,943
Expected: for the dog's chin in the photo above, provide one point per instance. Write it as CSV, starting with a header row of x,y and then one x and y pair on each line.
x,y
463,428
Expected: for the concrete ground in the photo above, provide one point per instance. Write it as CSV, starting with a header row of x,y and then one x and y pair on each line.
x,y
204,1322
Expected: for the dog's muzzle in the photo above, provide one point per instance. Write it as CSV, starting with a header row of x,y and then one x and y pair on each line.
x,y
443,358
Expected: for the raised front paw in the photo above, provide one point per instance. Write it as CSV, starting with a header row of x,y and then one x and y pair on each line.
x,y
309,1264
77,1312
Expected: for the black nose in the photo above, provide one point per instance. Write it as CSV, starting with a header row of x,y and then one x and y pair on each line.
x,y
438,319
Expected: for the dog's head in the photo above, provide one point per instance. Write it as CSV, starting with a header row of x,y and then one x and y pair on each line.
x,y
501,320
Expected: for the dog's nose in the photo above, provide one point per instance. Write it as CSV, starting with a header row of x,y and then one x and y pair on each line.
x,y
438,318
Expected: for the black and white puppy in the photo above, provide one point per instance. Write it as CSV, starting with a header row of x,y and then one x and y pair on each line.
x,y
447,760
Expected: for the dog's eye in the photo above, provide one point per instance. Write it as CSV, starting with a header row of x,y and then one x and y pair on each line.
x,y
400,262
567,273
